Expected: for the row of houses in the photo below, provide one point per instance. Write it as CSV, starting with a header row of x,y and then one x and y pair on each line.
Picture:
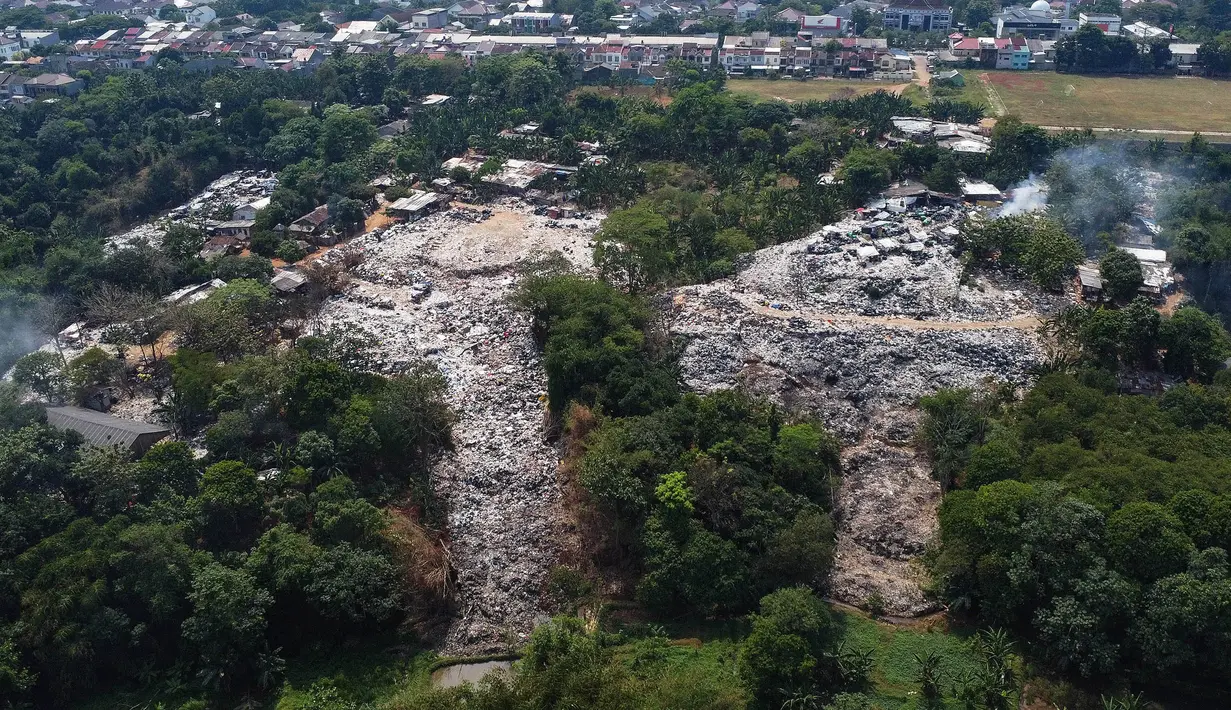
x,y
1019,53
808,52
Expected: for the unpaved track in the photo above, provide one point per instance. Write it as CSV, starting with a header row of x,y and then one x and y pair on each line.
x,y
814,316
923,77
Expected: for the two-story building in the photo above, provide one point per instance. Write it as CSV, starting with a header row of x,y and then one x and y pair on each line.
x,y
200,16
9,45
52,84
822,25
921,15
429,19
1109,24
1035,22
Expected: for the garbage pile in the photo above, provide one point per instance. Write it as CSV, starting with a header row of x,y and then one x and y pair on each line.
x,y
208,209
437,289
888,264
854,341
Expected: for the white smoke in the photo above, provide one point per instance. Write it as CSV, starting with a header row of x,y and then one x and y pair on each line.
x,y
1029,195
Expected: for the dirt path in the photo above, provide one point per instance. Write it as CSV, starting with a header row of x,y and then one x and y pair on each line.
x,y
814,316
923,77
993,97
1147,131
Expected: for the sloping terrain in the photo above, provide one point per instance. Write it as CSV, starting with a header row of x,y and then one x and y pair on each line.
x,y
855,344
437,289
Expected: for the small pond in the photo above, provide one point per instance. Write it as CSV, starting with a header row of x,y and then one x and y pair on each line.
x,y
453,676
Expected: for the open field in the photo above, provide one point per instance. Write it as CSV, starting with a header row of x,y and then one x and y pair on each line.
x,y
652,93
892,679
818,89
1164,103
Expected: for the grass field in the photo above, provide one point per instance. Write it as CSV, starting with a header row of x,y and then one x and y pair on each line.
x,y
795,90
1166,103
893,675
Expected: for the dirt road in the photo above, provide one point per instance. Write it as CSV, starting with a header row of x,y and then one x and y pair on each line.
x,y
993,98
814,316
1146,131
923,76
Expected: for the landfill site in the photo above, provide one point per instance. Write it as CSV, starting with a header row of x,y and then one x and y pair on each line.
x,y
209,209
437,288
852,327
818,324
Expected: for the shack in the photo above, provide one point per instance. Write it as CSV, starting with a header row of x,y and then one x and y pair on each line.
x,y
288,281
240,228
100,429
219,246
1091,284
981,193
311,227
416,204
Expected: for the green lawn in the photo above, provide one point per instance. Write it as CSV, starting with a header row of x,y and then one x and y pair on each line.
x,y
1167,103
372,672
894,649
972,93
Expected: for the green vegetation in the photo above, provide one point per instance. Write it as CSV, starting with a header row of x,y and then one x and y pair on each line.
x,y
1091,524
720,499
1121,274
1037,246
204,573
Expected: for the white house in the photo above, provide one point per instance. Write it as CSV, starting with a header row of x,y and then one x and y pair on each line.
x,y
747,10
9,46
1109,24
200,16
429,19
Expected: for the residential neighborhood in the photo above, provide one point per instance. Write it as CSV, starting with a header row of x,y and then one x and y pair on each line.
x,y
779,42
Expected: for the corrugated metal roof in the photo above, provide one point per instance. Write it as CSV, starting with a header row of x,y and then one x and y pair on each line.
x,y
101,429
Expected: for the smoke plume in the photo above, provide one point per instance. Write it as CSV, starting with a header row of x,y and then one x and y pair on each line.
x,y
1029,195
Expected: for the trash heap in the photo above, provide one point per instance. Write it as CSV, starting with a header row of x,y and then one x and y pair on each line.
x,y
855,341
888,264
437,289
208,209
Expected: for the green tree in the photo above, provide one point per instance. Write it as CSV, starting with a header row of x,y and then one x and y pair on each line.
x,y
226,631
43,373
1196,343
865,172
231,505
788,651
1121,273
1147,541
632,249
805,457
345,133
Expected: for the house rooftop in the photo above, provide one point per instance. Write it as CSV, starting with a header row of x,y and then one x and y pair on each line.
x,y
105,430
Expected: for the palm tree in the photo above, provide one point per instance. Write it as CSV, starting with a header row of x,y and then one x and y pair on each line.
x,y
928,674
